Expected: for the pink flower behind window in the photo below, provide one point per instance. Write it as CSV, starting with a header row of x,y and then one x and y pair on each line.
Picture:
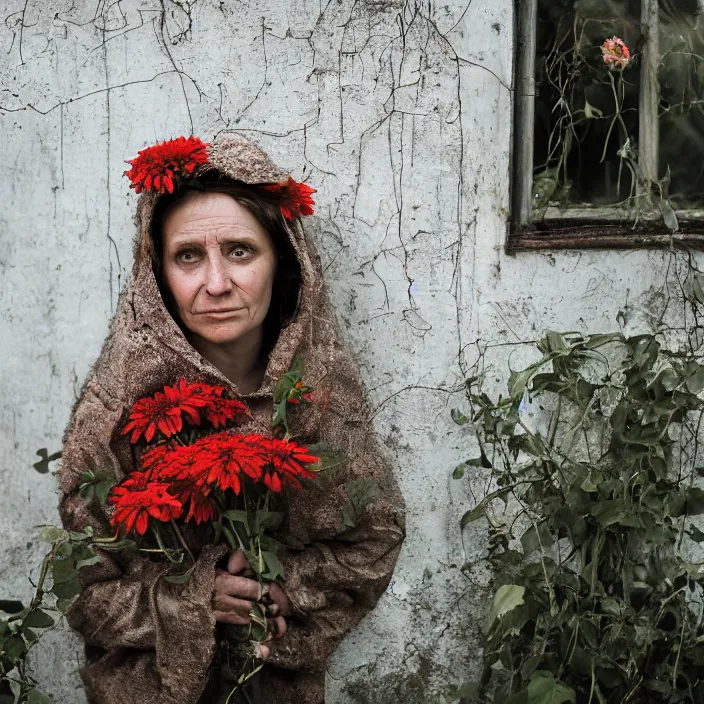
x,y
616,54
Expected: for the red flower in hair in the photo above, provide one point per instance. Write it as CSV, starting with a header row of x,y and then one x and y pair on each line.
x,y
137,499
160,166
296,198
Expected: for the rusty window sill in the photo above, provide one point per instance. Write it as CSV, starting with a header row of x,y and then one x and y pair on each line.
x,y
565,234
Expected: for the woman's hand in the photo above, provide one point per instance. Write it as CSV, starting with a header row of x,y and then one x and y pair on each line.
x,y
236,592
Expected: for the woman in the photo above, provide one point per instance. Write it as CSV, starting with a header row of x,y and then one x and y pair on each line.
x,y
226,289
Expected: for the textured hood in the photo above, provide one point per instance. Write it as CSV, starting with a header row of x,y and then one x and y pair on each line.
x,y
142,305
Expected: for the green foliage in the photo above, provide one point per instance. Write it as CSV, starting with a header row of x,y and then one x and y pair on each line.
x,y
362,493
96,485
284,388
594,600
22,626
42,466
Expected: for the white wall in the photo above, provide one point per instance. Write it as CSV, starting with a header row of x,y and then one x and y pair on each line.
x,y
399,113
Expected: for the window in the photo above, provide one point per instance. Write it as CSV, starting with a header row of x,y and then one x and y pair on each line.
x,y
609,131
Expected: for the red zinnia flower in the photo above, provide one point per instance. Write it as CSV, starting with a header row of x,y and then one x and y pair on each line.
x,y
158,167
137,498
615,53
296,198
219,410
287,464
210,461
164,410
202,507
223,459
152,460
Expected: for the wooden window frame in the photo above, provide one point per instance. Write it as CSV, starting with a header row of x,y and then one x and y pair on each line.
x,y
578,228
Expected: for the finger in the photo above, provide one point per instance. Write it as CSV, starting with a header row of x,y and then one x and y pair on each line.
x,y
261,651
240,587
277,626
225,602
237,563
231,617
274,610
278,596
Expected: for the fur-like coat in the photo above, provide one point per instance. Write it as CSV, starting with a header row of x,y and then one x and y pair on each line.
x,y
149,641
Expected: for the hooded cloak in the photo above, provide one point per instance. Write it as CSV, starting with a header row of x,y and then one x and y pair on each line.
x,y
149,641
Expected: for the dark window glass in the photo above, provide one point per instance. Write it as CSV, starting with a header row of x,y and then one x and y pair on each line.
x,y
681,75
586,123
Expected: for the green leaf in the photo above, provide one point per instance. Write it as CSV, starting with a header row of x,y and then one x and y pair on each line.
x,y
609,512
459,417
531,540
87,492
695,534
284,386
289,379
36,697
545,689
238,516
51,534
274,569
695,382
42,466
88,561
63,604
507,598
478,510
230,538
268,520
102,489
66,590
590,112
459,471
363,492
595,341
279,417
14,647
11,606
518,380
63,567
481,461
695,501
38,619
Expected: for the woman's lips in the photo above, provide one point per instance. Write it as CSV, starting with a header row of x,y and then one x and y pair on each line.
x,y
221,314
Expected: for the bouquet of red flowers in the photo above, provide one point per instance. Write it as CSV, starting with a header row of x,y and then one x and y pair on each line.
x,y
195,469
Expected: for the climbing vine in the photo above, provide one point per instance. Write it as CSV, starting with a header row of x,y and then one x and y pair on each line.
x,y
595,457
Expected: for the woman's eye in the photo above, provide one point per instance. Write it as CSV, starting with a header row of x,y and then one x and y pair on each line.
x,y
240,252
186,256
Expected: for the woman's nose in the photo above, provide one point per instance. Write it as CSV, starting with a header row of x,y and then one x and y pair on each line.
x,y
218,280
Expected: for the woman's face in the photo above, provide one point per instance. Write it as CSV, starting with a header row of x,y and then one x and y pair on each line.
x,y
219,264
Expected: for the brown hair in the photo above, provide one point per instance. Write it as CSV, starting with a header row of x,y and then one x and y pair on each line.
x,y
266,207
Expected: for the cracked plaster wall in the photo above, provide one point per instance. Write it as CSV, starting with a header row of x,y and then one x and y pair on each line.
x,y
399,113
